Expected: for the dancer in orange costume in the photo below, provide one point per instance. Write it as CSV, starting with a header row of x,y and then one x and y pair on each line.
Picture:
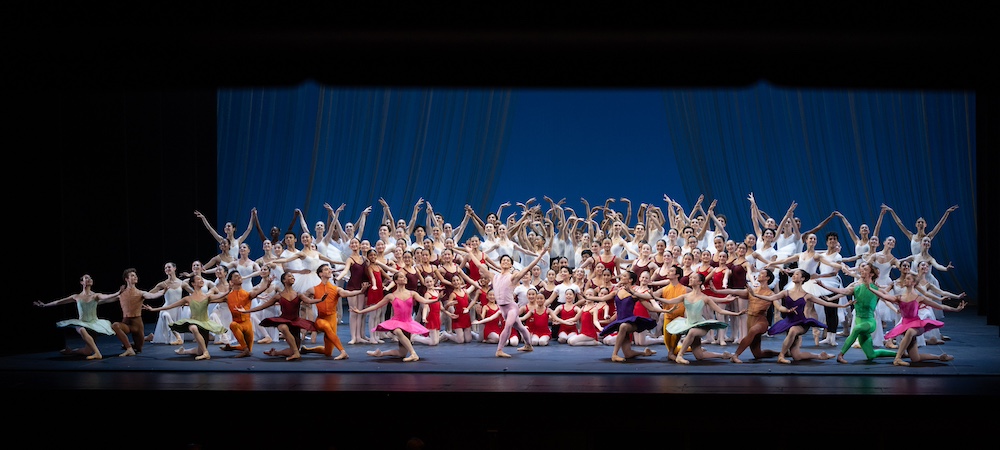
x,y
327,296
238,301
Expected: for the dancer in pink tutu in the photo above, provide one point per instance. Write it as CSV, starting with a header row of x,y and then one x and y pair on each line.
x,y
401,324
911,325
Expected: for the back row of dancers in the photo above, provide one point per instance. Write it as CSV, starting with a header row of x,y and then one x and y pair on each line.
x,y
604,284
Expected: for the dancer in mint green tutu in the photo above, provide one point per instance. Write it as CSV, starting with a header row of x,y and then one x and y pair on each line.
x,y
86,307
198,324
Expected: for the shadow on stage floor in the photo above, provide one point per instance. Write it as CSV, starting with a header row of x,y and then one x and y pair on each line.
x,y
461,396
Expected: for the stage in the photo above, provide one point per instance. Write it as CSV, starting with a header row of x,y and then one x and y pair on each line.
x,y
462,396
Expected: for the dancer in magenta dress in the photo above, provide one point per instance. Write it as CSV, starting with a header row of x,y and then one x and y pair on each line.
x,y
401,324
910,324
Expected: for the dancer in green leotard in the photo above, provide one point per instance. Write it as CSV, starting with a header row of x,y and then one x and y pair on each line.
x,y
864,307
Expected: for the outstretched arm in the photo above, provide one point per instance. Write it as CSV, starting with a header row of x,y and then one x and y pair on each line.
x,y
218,237
253,218
941,222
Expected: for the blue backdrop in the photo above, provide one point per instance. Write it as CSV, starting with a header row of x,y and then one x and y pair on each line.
x,y
845,150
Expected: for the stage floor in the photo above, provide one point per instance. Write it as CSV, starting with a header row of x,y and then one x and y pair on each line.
x,y
468,383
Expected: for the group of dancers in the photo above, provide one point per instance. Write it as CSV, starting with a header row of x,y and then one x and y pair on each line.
x,y
673,276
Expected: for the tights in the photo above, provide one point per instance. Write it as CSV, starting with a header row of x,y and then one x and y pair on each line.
x,y
327,323
243,332
862,332
509,313
131,326
757,325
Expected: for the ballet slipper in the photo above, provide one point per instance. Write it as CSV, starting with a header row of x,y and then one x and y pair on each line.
x,y
946,357
96,355
648,352
342,355
735,359
856,345
825,356
890,344
899,362
294,357
722,342
243,354
266,340
377,352
271,352
681,360
840,359
616,358
129,352
176,342
203,356
501,354
179,351
781,359
726,355
149,337
526,348
411,358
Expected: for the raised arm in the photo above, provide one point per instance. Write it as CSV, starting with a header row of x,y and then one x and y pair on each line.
x,y
253,218
412,224
937,227
899,223
218,237
527,269
820,225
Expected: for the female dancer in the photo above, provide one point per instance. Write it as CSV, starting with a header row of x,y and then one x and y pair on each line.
x,y
289,322
934,337
357,270
311,259
230,230
626,322
911,325
198,323
537,318
589,318
916,237
457,307
430,313
86,307
695,326
174,288
401,324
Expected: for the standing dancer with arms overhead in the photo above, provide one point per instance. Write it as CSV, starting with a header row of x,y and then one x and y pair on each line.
x,y
503,287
